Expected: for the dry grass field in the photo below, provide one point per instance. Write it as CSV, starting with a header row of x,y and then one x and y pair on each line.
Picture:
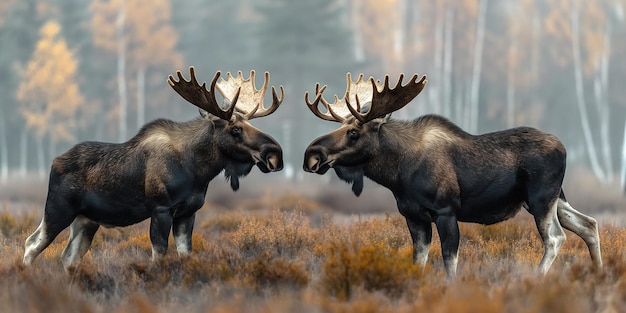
x,y
294,254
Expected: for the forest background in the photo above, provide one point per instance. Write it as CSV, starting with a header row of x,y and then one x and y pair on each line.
x,y
73,70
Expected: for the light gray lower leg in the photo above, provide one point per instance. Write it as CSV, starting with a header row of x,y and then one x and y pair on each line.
x,y
36,243
552,236
582,225
82,231
182,228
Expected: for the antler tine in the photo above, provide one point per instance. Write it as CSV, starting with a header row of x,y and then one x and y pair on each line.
x,y
260,110
388,100
314,106
199,96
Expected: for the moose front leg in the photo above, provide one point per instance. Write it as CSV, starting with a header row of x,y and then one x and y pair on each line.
x,y
183,229
160,225
448,230
422,235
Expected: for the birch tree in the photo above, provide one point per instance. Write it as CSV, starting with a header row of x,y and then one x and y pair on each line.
x,y
142,40
477,69
49,93
602,171
4,149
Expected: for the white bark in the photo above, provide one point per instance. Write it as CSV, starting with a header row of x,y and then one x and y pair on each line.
x,y
24,152
434,95
400,35
4,148
580,97
447,62
603,104
478,58
459,95
41,159
510,86
141,99
121,69
623,171
359,50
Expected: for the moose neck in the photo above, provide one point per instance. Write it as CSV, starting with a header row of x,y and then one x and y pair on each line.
x,y
205,153
402,142
191,142
393,137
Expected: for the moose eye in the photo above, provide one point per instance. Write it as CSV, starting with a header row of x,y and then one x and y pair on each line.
x,y
235,131
353,135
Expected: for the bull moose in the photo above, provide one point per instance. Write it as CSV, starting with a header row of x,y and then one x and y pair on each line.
x,y
162,173
440,174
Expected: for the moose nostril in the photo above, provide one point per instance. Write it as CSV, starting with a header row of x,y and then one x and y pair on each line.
x,y
313,163
272,161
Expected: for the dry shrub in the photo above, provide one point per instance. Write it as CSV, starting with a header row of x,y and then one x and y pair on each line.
x,y
267,271
136,244
141,244
87,276
375,267
283,234
390,230
28,289
511,230
188,272
12,225
54,250
459,298
137,303
223,222
109,237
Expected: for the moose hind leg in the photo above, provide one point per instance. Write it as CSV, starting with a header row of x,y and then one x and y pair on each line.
x,y
551,234
82,231
45,233
582,225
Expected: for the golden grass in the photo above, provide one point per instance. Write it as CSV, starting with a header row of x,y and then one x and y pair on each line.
x,y
278,262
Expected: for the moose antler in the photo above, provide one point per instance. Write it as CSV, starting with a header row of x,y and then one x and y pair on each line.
x,y
387,100
199,96
375,104
339,111
251,102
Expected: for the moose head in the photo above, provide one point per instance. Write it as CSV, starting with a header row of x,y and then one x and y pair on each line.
x,y
366,105
239,141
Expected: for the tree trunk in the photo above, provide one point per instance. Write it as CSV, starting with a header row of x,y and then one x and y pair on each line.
x,y
141,99
447,62
434,96
52,140
4,148
510,86
602,96
359,50
121,69
399,34
24,152
623,171
478,58
580,97
41,159
287,138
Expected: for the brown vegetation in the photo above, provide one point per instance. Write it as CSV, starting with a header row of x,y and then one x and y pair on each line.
x,y
279,262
